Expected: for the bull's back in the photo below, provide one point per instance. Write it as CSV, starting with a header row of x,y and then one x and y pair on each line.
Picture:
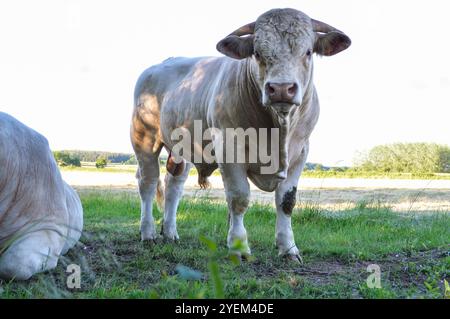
x,y
173,94
30,182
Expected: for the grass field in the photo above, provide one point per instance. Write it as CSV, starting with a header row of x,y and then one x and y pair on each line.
x,y
119,168
412,251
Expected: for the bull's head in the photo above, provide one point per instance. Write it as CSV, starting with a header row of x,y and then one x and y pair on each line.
x,y
281,42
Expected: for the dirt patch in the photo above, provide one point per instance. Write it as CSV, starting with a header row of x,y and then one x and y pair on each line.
x,y
395,268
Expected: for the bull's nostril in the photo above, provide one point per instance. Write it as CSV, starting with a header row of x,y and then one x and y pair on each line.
x,y
270,89
292,90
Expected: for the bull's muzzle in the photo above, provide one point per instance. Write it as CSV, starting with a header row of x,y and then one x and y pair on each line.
x,y
281,92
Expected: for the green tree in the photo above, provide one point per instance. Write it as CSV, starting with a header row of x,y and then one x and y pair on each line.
x,y
65,159
101,162
419,158
131,161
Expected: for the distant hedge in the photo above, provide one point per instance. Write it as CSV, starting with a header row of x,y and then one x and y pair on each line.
x,y
406,158
92,156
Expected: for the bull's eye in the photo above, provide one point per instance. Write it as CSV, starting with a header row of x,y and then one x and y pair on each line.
x,y
257,56
308,53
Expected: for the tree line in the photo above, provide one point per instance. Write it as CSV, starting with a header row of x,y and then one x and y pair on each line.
x,y
92,156
101,159
416,158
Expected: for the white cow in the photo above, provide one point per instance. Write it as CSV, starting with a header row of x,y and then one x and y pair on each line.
x,y
41,216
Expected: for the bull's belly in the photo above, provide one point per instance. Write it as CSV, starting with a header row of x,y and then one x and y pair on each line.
x,y
267,183
202,153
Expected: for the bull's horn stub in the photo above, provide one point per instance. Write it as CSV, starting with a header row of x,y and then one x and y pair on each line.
x,y
244,30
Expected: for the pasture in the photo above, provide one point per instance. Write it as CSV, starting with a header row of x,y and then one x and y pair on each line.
x,y
337,243
123,168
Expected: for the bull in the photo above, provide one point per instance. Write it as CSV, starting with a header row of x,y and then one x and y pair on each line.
x,y
264,81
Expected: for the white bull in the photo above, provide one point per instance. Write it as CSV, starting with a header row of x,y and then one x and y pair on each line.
x,y
264,83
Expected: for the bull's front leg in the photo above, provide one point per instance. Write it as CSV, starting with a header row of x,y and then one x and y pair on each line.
x,y
285,200
237,191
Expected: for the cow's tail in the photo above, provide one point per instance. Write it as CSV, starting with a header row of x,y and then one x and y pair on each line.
x,y
160,195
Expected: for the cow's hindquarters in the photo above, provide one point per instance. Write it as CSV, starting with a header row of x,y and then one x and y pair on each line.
x,y
75,216
33,251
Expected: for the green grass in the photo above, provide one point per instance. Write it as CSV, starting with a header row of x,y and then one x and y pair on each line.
x,y
337,246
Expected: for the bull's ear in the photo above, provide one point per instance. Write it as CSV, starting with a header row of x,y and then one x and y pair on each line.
x,y
236,47
331,43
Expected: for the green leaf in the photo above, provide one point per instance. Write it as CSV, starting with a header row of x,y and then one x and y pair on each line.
x,y
212,246
217,281
446,290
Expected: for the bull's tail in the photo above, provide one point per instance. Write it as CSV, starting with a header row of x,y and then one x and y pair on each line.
x,y
203,181
160,195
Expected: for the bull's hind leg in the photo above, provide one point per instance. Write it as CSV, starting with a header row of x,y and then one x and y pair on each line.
x,y
148,179
147,145
173,193
30,254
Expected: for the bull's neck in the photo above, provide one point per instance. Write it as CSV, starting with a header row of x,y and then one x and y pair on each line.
x,y
249,91
250,97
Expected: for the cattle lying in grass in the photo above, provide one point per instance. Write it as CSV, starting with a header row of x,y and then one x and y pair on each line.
x,y
264,82
41,216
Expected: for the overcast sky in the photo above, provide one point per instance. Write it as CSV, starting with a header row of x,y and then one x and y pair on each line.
x,y
68,67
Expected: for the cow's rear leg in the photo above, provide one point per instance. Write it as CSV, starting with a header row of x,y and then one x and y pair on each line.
x,y
30,254
148,179
173,193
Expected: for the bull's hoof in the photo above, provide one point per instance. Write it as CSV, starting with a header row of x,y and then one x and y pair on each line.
x,y
297,259
151,238
291,254
149,233
241,256
151,241
169,233
173,237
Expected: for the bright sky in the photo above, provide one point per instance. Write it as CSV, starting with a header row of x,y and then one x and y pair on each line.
x,y
68,67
